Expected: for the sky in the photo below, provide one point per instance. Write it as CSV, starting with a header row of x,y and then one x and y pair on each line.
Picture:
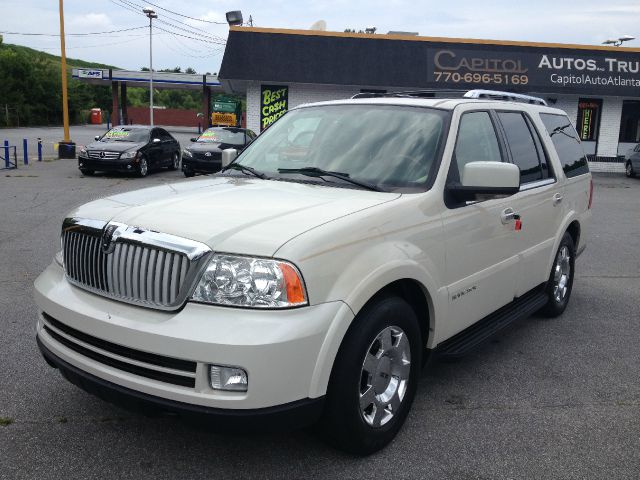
x,y
184,42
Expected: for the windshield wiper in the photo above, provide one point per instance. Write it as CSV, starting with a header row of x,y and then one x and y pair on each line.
x,y
318,172
245,169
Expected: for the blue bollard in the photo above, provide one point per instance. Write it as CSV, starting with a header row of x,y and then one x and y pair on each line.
x,y
24,150
39,149
7,164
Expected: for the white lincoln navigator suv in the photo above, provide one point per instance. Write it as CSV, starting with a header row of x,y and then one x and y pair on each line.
x,y
311,280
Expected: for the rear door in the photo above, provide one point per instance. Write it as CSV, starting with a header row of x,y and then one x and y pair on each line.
x,y
539,202
481,255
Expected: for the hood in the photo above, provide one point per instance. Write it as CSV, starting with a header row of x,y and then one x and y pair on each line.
x,y
114,146
233,215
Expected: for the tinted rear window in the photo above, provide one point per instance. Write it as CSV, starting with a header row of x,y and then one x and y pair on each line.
x,y
523,148
565,140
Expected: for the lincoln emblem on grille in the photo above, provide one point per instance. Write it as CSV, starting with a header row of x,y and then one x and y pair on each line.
x,y
108,241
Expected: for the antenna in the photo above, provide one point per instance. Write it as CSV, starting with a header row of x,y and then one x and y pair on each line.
x,y
320,26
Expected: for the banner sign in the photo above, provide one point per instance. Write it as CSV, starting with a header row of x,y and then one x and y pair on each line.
x,y
84,73
274,102
223,119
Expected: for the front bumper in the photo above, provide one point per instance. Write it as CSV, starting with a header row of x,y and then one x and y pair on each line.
x,y
201,166
128,165
295,414
288,354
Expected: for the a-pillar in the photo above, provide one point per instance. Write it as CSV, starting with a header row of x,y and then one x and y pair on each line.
x,y
206,106
115,109
123,103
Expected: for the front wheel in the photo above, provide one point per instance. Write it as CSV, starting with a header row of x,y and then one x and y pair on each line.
x,y
374,378
143,167
175,162
629,170
560,281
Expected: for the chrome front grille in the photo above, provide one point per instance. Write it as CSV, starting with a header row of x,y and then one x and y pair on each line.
x,y
103,155
131,264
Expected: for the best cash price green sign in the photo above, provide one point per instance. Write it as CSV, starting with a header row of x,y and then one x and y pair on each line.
x,y
274,102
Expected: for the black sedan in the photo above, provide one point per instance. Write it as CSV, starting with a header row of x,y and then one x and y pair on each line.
x,y
130,148
205,155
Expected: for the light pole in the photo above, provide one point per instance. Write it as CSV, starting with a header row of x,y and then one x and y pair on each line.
x,y
151,14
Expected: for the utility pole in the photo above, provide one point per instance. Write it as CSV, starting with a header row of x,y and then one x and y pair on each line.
x,y
151,14
66,149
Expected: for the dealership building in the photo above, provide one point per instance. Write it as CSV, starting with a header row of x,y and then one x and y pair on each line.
x,y
598,86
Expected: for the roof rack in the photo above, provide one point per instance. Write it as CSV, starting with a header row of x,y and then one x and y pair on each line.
x,y
504,96
477,94
430,93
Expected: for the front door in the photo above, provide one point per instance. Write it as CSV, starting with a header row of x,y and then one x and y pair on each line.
x,y
481,255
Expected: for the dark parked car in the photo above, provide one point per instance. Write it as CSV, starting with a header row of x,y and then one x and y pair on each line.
x,y
205,155
632,162
130,148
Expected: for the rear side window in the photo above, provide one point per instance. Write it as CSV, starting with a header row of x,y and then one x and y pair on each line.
x,y
522,146
477,140
565,140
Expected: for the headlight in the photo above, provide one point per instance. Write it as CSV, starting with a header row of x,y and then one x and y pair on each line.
x,y
250,282
83,152
187,153
129,154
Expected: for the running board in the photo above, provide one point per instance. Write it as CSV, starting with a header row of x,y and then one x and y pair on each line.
x,y
481,331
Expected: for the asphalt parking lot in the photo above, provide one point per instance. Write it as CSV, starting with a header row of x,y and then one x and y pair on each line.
x,y
557,399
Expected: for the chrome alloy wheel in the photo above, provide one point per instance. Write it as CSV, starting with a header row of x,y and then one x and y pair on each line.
x,y
561,274
629,169
144,168
176,161
384,376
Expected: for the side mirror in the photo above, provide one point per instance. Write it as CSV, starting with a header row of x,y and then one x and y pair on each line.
x,y
486,178
97,137
193,139
228,156
156,140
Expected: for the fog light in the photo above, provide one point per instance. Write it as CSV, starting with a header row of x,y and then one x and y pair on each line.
x,y
81,164
228,378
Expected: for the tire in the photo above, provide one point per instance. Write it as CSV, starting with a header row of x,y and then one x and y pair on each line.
x,y
86,172
366,380
175,161
560,281
188,172
629,171
143,167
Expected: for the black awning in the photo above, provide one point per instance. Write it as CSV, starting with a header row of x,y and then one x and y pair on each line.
x,y
283,56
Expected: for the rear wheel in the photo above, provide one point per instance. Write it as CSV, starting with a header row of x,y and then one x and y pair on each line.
x,y
629,170
560,281
175,161
374,378
143,167
188,172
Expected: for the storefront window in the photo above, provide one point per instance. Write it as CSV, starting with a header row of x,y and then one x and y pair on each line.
x,y
589,119
630,122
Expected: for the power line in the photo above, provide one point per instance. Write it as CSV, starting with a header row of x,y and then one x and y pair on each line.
x,y
208,38
190,29
186,16
72,34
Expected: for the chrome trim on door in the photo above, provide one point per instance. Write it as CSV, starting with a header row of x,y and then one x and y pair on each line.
x,y
536,184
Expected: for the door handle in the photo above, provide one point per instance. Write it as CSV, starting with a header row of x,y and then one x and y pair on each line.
x,y
557,199
508,215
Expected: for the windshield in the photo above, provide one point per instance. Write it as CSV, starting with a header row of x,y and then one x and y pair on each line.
x,y
390,147
222,135
124,134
